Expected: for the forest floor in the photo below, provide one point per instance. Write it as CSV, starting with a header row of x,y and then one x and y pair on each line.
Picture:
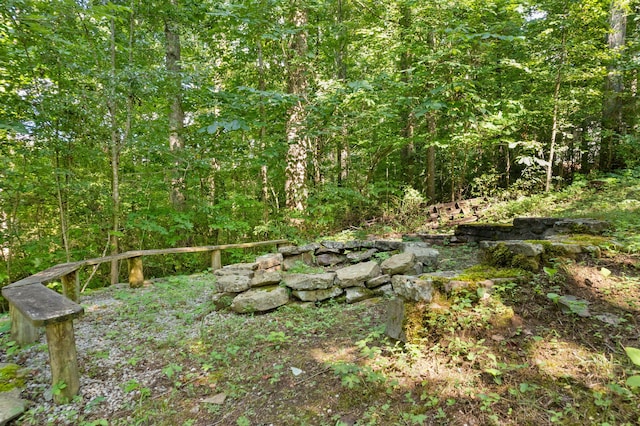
x,y
162,355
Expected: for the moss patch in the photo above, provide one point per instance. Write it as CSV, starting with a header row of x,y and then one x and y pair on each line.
x,y
413,324
10,377
501,256
486,272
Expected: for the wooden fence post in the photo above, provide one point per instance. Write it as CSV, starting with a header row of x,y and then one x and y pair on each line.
x,y
63,359
216,260
136,274
71,285
22,331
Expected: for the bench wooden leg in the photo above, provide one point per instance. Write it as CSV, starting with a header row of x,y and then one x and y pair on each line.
x,y
63,359
216,260
22,331
136,274
71,286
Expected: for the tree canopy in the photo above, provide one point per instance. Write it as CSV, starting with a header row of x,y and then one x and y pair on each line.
x,y
140,124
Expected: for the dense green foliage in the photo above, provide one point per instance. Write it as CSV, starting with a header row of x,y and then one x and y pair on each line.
x,y
437,100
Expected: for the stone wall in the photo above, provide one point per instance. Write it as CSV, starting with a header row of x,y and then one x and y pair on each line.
x,y
529,228
352,271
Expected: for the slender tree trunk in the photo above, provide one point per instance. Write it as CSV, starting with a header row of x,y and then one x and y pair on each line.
x,y
115,159
431,159
342,162
612,121
264,170
406,60
555,125
176,112
295,184
63,208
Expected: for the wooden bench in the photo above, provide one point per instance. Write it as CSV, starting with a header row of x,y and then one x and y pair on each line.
x,y
33,305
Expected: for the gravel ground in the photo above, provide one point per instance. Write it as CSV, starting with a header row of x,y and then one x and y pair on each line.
x,y
117,341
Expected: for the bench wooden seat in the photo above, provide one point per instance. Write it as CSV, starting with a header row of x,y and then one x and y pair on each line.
x,y
34,305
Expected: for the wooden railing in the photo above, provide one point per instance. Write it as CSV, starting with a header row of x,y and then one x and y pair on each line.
x,y
33,305
67,272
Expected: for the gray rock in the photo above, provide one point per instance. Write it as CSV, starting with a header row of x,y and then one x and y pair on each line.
x,y
385,290
424,254
378,281
358,294
288,250
11,406
233,283
309,281
394,327
581,226
567,248
399,264
224,272
387,245
361,256
516,247
222,300
317,295
418,269
332,245
412,288
260,299
252,266
357,275
291,261
330,259
263,278
295,250
269,261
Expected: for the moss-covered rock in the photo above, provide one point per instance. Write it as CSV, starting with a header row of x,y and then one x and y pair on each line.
x,y
10,377
405,320
514,254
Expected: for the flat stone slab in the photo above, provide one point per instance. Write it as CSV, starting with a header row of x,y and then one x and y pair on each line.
x,y
262,278
317,295
260,299
357,275
233,283
309,281
412,288
424,254
399,264
11,406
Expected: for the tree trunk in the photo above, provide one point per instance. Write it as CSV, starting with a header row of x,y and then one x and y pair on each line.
x,y
176,112
408,152
295,184
431,159
555,125
115,160
612,122
342,148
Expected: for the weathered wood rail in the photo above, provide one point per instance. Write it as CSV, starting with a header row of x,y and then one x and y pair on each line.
x,y
32,305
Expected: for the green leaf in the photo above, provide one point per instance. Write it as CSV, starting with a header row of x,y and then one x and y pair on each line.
x,y
633,381
494,372
633,354
553,297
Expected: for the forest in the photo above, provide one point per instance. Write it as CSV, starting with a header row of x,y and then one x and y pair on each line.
x,y
147,124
